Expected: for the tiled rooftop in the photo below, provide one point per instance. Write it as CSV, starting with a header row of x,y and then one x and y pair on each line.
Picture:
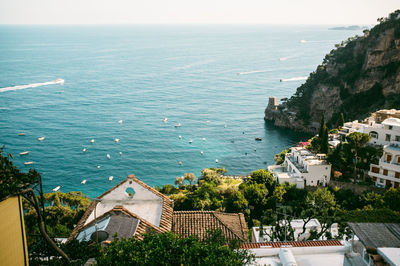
x,y
198,223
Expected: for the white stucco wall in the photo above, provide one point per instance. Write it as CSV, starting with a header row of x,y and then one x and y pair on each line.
x,y
143,203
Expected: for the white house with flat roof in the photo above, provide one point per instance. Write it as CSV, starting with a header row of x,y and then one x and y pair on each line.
x,y
302,168
387,172
297,225
383,133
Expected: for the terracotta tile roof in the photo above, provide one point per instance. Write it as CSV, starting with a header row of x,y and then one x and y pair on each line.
x,y
232,225
166,214
316,243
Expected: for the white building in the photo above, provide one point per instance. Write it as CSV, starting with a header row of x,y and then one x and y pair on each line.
x,y
381,133
297,226
387,172
302,168
301,253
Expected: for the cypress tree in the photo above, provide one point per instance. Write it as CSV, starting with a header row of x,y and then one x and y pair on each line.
x,y
321,127
341,120
324,145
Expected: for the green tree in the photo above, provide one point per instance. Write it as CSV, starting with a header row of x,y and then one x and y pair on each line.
x,y
321,127
211,175
12,180
179,180
341,120
356,141
190,177
280,157
392,199
170,249
324,145
262,176
237,203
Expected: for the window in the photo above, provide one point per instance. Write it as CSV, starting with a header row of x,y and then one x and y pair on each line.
x,y
390,127
388,136
397,175
130,192
373,134
375,170
397,138
380,180
389,158
385,172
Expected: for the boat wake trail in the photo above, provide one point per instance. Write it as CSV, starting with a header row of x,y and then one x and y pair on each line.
x,y
33,85
253,72
294,79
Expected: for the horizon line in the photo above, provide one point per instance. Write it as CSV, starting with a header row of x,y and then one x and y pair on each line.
x,y
184,24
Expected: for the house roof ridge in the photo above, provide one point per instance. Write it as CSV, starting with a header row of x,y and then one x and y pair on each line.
x,y
227,227
308,243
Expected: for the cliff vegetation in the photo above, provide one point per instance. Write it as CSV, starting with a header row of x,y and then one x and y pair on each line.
x,y
359,76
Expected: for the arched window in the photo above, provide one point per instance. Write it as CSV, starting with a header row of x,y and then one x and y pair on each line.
x,y
130,192
373,134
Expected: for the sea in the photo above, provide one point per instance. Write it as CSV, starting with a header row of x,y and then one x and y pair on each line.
x,y
189,97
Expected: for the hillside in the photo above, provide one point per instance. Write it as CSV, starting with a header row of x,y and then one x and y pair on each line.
x,y
359,76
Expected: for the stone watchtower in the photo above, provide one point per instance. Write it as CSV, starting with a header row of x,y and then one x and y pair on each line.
x,y
272,104
271,109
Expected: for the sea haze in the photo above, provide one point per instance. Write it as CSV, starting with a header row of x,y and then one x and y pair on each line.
x,y
214,80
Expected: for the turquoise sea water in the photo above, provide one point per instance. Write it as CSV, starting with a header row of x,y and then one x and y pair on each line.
x,y
214,80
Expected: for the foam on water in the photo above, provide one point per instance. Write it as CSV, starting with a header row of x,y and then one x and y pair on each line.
x,y
33,85
294,79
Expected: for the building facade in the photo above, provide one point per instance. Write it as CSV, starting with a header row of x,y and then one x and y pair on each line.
x,y
297,225
383,126
302,168
387,172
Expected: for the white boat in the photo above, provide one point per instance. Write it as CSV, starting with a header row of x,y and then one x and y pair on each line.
x,y
202,153
84,150
303,41
116,140
178,125
165,120
92,141
21,134
110,178
108,156
120,121
28,163
180,137
204,139
83,181
120,153
24,153
98,167
57,188
216,160
190,141
40,138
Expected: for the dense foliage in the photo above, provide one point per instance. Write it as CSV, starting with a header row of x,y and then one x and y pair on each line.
x,y
264,202
12,180
61,214
169,249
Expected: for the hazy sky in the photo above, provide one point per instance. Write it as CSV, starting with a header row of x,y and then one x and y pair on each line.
x,y
190,11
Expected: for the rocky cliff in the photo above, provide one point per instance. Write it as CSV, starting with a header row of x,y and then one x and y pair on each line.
x,y
360,76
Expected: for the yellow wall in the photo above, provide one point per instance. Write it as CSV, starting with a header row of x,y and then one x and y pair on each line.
x,y
13,249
